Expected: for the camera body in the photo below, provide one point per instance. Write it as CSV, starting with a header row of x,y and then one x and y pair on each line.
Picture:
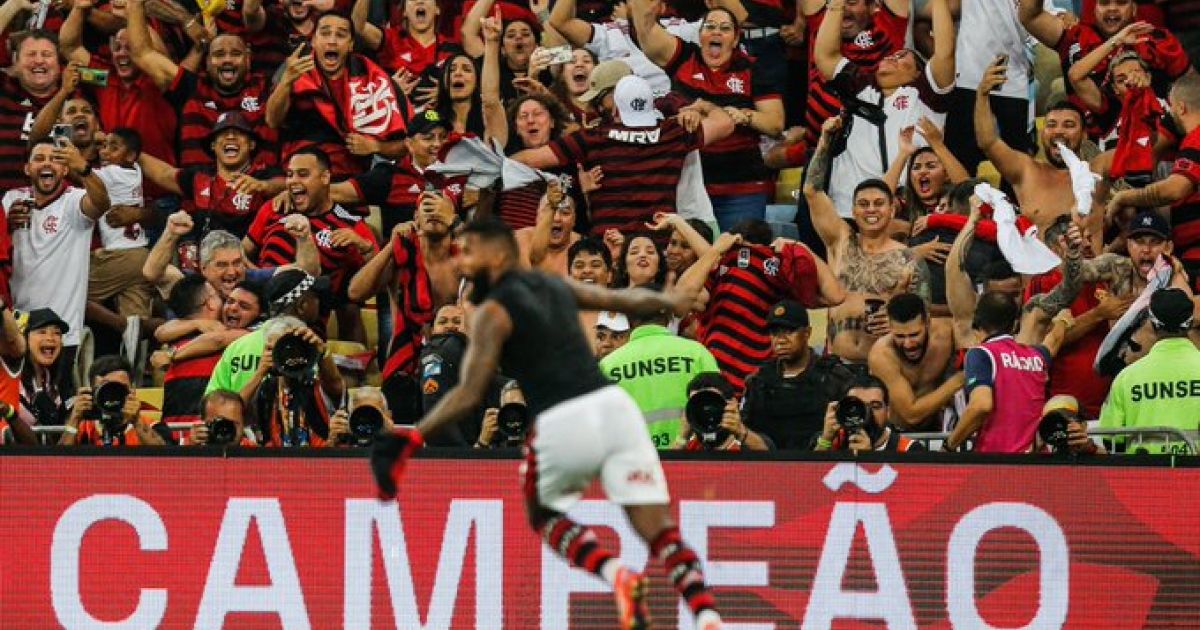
x,y
704,412
366,422
512,422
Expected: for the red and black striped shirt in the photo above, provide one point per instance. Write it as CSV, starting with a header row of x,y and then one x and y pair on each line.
x,y
18,108
276,247
885,36
742,289
733,165
184,384
641,169
216,206
1185,215
199,104
415,306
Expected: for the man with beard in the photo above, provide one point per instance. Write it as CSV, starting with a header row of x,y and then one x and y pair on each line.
x,y
24,90
913,359
1181,189
1043,190
787,397
869,264
344,240
51,224
200,101
225,197
130,98
903,88
544,246
418,263
67,107
338,101
586,428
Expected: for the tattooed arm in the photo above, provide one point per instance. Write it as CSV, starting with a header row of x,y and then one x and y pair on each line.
x,y
1039,310
1160,193
1114,269
830,227
919,279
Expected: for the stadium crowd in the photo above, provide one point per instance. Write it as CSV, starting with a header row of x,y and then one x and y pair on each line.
x,y
979,219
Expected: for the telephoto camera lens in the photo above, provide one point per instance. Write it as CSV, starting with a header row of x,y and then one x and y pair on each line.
x,y
109,403
1053,431
222,431
852,414
704,412
365,423
513,421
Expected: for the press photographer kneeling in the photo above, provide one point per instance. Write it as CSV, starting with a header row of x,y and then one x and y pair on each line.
x,y
222,421
858,422
367,417
108,413
295,387
507,425
714,420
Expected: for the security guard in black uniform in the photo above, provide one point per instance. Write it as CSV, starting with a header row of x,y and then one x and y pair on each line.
x,y
786,398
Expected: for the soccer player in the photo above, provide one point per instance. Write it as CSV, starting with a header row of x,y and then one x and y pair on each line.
x,y
586,428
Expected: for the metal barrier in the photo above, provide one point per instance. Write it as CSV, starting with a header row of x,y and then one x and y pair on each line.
x,y
1140,437
46,433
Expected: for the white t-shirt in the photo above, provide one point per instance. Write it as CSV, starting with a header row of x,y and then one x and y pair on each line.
x,y
51,257
610,40
124,189
989,28
862,160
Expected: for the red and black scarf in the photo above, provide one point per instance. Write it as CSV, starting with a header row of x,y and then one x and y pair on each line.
x,y
366,102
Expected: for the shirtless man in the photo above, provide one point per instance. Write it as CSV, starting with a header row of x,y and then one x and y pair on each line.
x,y
420,286
544,246
913,360
1043,189
869,264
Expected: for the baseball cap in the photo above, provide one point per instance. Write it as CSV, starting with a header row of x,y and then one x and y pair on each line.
x,y
787,314
616,322
232,120
1061,402
604,77
43,317
1150,222
426,122
288,286
635,102
1171,310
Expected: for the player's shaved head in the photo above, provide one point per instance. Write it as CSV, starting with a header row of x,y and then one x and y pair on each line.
x,y
493,231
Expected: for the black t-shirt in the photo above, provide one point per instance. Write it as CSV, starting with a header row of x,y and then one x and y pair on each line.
x,y
546,352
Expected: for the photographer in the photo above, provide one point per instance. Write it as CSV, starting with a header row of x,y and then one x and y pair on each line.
x,y
222,421
714,421
295,386
1062,432
859,421
109,413
368,417
506,426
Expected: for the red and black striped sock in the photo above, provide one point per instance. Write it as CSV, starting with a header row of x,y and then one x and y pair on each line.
x,y
683,567
576,543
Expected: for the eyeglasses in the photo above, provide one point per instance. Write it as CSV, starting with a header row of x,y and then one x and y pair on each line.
x,y
723,27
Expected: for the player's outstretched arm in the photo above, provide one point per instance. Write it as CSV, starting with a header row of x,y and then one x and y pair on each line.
x,y
630,301
490,328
